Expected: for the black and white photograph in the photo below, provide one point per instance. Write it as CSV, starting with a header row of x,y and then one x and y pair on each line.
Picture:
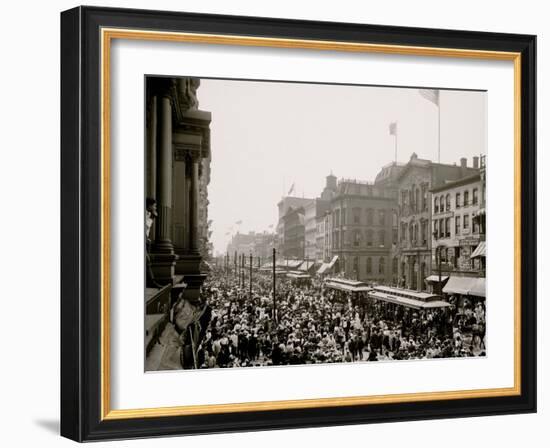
x,y
291,223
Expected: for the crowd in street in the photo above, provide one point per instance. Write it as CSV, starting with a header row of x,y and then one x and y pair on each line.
x,y
312,324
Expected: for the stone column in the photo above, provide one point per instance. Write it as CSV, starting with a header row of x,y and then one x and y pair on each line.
x,y
163,242
151,161
194,206
162,257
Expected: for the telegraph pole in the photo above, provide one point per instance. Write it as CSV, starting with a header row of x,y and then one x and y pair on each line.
x,y
274,289
250,276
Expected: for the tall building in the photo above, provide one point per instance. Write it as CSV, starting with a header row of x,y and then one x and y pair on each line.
x,y
361,230
177,175
294,234
415,181
283,206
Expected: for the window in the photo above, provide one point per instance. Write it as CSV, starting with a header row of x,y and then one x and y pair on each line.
x,y
475,224
382,238
357,238
474,196
436,228
424,198
343,216
356,215
447,227
466,221
369,237
457,200
416,199
394,266
382,265
423,229
448,202
466,198
382,217
369,265
441,228
457,225
355,266
436,205
369,216
441,203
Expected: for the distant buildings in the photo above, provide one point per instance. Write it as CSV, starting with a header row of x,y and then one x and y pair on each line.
x,y
388,231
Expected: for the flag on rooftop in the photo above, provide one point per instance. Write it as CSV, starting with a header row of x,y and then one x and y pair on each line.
x,y
393,128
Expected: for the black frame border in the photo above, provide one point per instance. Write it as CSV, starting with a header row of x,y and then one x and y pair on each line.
x,y
81,223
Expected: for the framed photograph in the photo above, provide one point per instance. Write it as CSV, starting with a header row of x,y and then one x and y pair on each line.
x,y
273,223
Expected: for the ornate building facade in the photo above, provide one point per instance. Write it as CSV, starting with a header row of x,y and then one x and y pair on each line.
x,y
415,181
177,176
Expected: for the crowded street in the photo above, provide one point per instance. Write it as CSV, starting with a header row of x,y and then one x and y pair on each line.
x,y
312,324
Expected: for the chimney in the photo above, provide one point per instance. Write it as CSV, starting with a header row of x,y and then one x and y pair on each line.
x,y
476,162
463,162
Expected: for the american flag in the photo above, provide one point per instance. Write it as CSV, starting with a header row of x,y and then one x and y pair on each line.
x,y
393,128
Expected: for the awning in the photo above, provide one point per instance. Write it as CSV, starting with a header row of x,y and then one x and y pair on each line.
x,y
347,287
323,268
478,289
306,265
327,266
298,275
435,278
465,286
408,302
480,250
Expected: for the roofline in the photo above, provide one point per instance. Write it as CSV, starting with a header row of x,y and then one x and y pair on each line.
x,y
457,183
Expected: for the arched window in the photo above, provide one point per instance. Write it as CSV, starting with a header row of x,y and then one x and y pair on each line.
x,y
382,265
448,202
382,217
436,205
417,199
369,265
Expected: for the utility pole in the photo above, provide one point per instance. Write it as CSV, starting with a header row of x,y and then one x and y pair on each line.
x,y
274,288
250,276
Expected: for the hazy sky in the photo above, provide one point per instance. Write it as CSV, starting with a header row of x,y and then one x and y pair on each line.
x,y
268,135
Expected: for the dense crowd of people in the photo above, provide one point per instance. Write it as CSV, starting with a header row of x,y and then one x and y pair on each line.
x,y
313,324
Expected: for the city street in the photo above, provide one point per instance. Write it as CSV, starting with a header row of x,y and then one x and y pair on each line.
x,y
314,324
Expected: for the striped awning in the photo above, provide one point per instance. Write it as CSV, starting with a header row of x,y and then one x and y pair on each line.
x,y
480,250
